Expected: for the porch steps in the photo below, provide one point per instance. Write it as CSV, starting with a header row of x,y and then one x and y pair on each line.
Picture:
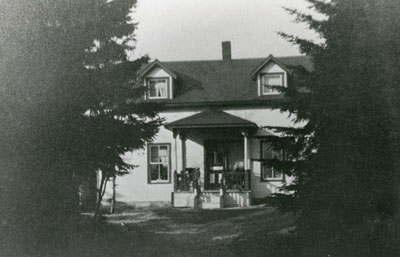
x,y
210,200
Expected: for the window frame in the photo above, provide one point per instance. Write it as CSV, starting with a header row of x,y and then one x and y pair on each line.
x,y
166,79
149,181
273,91
263,161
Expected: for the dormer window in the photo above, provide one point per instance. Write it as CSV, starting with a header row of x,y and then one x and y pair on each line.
x,y
270,80
159,81
158,88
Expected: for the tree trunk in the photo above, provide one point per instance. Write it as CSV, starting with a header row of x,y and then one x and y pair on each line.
x,y
100,194
113,195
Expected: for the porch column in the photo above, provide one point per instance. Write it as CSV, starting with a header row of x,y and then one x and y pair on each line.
x,y
245,142
175,166
246,161
183,141
175,135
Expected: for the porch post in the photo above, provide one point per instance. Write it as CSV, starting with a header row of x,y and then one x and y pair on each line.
x,y
175,135
183,140
245,141
245,161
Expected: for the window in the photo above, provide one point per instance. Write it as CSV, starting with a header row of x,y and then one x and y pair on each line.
x,y
158,88
269,80
267,171
159,163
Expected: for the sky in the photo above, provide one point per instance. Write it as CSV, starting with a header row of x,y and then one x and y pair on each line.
x,y
173,30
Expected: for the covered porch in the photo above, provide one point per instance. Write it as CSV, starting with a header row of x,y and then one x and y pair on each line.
x,y
224,179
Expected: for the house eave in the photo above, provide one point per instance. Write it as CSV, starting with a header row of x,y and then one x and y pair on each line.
x,y
247,103
199,126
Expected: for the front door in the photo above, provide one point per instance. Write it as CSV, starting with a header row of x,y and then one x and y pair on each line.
x,y
222,157
216,164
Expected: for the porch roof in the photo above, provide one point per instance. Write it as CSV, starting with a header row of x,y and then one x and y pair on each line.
x,y
211,119
263,132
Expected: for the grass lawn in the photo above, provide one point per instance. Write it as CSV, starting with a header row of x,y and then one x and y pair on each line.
x,y
259,231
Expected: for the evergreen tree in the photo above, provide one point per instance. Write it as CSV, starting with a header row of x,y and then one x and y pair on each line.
x,y
346,158
69,106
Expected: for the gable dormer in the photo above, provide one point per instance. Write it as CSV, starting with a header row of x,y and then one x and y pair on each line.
x,y
158,80
271,72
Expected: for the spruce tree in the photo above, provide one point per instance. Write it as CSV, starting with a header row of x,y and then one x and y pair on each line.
x,y
69,106
345,160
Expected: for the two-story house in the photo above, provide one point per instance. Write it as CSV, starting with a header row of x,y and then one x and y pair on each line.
x,y
211,152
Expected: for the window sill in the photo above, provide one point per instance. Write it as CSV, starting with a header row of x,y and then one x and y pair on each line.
x,y
272,180
157,98
264,94
159,182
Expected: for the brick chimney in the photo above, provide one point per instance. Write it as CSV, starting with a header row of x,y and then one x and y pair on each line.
x,y
226,51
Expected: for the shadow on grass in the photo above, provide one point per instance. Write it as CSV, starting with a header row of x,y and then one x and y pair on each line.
x,y
192,216
185,232
171,232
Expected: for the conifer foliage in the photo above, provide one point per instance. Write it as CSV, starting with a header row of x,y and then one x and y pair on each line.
x,y
69,107
345,160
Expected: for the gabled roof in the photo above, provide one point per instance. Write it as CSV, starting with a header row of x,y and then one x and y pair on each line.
x,y
210,119
218,82
270,58
153,64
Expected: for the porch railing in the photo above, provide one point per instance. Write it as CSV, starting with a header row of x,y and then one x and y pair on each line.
x,y
187,180
237,180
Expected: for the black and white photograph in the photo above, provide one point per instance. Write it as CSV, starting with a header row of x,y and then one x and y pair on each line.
x,y
200,128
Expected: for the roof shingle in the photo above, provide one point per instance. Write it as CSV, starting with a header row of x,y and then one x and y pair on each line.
x,y
211,118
